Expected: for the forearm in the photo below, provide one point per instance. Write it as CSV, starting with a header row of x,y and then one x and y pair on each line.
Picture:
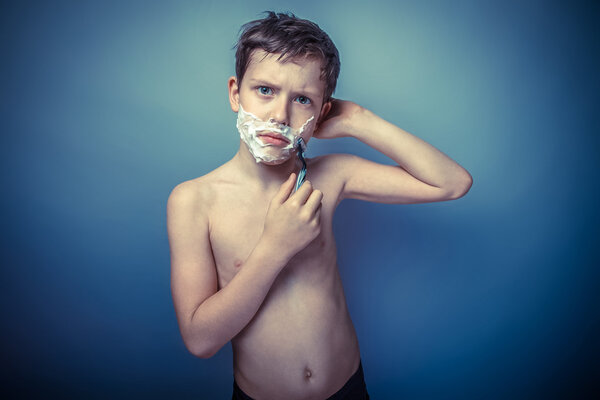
x,y
223,315
417,157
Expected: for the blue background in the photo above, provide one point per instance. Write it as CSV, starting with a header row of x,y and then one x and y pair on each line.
x,y
107,105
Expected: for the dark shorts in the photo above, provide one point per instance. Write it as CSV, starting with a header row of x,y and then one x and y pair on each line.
x,y
354,389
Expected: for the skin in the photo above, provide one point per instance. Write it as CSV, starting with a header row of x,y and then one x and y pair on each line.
x,y
254,263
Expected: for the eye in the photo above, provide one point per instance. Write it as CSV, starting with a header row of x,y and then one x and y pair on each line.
x,y
303,100
265,90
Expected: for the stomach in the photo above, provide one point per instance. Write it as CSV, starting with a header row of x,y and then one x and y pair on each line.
x,y
301,344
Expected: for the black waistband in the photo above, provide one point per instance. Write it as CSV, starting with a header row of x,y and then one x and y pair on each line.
x,y
354,389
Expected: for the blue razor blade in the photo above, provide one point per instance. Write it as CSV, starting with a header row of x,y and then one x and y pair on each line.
x,y
302,174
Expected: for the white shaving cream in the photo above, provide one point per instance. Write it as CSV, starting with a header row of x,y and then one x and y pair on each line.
x,y
249,126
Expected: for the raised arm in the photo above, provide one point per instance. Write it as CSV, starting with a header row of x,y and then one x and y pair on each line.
x,y
423,173
208,318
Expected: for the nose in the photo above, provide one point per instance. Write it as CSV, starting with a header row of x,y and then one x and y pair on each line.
x,y
280,113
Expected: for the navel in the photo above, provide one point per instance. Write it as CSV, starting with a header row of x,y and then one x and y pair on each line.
x,y
307,373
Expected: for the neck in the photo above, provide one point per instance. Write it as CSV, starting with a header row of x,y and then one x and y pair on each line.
x,y
267,176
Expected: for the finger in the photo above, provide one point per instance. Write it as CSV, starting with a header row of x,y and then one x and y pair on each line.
x,y
285,189
317,216
318,211
302,193
313,203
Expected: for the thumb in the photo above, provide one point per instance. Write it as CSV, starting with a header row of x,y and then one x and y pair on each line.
x,y
285,189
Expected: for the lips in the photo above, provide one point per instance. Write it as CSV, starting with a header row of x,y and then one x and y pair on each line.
x,y
274,138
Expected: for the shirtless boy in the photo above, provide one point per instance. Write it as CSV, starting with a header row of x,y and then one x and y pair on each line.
x,y
253,261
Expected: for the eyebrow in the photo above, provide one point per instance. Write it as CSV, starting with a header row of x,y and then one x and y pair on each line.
x,y
269,84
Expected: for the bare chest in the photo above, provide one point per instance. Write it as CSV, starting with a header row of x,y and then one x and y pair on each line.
x,y
235,231
237,226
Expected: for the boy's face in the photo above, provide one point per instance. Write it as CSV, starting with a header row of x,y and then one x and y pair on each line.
x,y
289,93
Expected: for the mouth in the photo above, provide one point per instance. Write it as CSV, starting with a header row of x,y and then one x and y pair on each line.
x,y
274,138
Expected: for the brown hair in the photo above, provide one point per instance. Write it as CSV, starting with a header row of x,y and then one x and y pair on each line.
x,y
291,37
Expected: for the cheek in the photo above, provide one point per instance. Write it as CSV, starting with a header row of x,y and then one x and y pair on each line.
x,y
307,128
247,99
307,135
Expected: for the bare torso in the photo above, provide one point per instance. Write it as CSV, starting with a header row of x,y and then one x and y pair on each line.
x,y
301,343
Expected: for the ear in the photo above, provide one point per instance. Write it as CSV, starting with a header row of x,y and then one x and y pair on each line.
x,y
325,108
234,93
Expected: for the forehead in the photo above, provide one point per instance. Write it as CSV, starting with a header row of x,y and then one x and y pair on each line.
x,y
303,73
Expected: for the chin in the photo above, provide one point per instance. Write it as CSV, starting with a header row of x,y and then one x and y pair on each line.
x,y
275,162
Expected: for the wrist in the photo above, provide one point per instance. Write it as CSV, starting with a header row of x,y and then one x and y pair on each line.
x,y
270,255
360,123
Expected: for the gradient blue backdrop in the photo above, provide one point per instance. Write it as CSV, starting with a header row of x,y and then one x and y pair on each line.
x,y
107,105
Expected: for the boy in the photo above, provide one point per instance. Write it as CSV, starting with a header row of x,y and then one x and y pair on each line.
x,y
253,259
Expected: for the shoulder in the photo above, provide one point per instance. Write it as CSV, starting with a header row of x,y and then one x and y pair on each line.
x,y
336,163
198,196
193,200
334,168
330,173
191,195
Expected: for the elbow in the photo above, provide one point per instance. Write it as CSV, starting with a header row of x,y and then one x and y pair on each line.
x,y
198,340
461,187
201,349
204,354
200,346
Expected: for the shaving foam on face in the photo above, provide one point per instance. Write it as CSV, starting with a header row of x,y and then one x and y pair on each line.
x,y
249,126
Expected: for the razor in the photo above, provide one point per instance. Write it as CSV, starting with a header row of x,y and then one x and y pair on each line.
x,y
301,146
